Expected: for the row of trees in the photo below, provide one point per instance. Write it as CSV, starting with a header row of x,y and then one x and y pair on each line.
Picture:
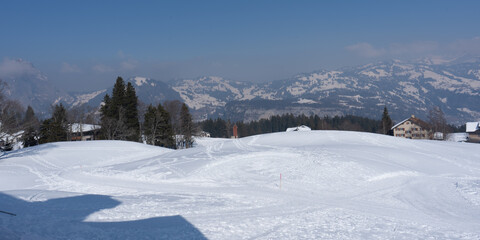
x,y
279,123
169,125
222,128
122,117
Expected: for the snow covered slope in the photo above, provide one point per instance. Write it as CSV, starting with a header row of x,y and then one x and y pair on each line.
x,y
334,185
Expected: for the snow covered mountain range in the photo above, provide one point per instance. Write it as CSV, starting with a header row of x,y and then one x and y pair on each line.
x,y
406,88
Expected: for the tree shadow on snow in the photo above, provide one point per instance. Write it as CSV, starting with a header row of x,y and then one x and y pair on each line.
x,y
63,218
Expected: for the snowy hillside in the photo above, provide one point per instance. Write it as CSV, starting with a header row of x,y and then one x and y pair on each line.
x,y
334,185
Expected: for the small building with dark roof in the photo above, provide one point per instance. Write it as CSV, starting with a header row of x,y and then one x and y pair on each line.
x,y
412,128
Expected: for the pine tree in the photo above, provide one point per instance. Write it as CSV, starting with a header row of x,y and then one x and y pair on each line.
x,y
186,126
113,113
157,127
166,134
30,137
108,119
119,113
131,113
30,118
386,121
55,129
150,125
118,98
31,128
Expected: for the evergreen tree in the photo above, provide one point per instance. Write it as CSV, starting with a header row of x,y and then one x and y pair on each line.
x,y
55,129
150,125
157,127
31,127
46,132
131,113
166,134
386,121
30,137
113,113
119,113
186,126
30,118
118,98
108,120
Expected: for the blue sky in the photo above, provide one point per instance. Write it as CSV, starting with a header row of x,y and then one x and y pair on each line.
x,y
84,45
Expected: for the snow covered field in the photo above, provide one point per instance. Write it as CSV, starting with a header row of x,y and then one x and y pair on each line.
x,y
335,185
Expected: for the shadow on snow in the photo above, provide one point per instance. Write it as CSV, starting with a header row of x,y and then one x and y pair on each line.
x,y
63,218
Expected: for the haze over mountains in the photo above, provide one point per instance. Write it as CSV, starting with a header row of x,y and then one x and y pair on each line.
x,y
404,87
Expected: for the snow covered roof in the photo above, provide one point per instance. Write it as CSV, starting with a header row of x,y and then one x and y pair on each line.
x,y
299,128
398,124
473,126
413,119
77,127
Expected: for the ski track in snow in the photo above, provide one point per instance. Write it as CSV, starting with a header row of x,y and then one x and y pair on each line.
x,y
335,185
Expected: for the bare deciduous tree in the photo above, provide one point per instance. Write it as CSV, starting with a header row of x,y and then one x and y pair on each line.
x,y
11,113
437,120
173,108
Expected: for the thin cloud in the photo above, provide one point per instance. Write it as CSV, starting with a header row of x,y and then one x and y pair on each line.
x,y
418,49
366,50
129,65
465,46
121,54
426,47
100,68
13,68
70,68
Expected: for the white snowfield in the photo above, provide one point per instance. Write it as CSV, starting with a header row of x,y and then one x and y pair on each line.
x,y
334,185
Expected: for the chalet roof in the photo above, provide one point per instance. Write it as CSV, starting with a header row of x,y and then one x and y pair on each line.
x,y
414,120
473,126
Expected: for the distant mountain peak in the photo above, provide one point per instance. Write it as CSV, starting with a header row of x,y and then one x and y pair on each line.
x,y
141,81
